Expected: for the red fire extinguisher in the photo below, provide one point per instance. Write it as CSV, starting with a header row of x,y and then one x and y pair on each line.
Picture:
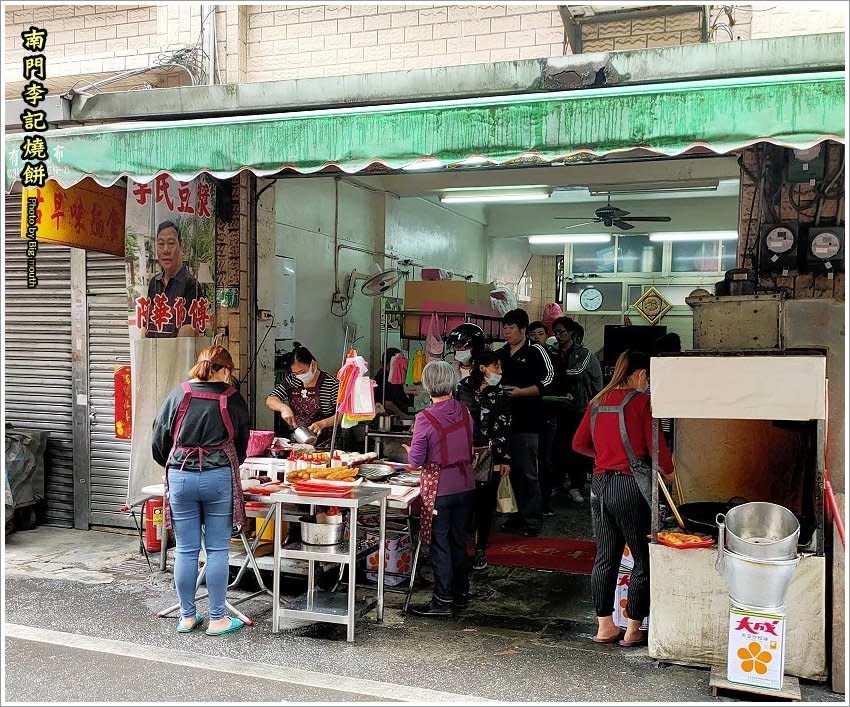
x,y
153,524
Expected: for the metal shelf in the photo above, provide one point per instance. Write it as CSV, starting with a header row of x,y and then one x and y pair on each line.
x,y
325,553
328,607
266,562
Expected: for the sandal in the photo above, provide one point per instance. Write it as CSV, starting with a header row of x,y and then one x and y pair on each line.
x,y
235,625
182,628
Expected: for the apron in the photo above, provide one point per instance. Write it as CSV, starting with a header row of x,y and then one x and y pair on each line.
x,y
228,448
429,479
305,404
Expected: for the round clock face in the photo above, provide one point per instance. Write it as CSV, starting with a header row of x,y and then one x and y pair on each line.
x,y
590,299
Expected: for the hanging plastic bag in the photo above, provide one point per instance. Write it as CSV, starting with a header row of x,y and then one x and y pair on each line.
x,y
363,397
505,500
433,341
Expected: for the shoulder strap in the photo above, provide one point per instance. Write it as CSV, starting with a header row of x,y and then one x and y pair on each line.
x,y
620,410
443,432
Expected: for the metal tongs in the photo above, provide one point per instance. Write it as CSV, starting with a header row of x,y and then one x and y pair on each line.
x,y
669,498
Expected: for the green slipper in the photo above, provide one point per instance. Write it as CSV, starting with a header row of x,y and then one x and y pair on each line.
x,y
235,625
181,628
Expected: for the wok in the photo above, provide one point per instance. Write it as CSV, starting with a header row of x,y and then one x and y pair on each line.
x,y
700,517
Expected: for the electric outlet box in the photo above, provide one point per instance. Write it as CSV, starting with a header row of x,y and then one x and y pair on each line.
x,y
778,248
825,249
803,171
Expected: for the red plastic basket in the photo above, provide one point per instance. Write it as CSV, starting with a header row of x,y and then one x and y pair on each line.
x,y
259,441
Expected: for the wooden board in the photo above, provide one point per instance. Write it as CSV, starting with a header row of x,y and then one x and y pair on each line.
x,y
718,683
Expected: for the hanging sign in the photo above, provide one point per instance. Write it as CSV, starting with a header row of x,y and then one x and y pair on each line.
x,y
123,403
170,244
86,216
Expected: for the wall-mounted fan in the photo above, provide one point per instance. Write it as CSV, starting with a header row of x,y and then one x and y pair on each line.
x,y
376,284
612,216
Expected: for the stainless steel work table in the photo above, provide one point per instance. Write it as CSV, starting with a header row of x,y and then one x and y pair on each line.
x,y
317,605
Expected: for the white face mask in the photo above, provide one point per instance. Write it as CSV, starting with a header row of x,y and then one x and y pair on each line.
x,y
464,356
493,378
307,377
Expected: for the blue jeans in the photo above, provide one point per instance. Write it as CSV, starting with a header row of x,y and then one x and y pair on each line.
x,y
451,527
201,498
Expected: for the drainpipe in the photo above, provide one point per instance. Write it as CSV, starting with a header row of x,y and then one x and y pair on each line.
x,y
208,26
706,12
252,314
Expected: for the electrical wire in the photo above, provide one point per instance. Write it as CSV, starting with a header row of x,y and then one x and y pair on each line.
x,y
257,351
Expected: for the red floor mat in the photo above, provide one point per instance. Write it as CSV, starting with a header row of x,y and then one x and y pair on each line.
x,y
557,554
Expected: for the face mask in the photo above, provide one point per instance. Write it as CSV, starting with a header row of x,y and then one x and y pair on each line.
x,y
305,378
463,356
493,378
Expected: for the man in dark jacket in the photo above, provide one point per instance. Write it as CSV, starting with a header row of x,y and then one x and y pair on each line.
x,y
526,372
578,377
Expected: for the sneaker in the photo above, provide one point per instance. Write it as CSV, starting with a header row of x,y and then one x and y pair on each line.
x,y
479,562
433,608
461,602
548,512
575,495
531,532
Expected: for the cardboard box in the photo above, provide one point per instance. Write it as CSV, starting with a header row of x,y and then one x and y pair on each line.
x,y
398,556
621,599
756,653
447,296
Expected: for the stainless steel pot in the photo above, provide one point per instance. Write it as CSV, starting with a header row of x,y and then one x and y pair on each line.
x,y
313,533
385,423
763,531
302,435
757,583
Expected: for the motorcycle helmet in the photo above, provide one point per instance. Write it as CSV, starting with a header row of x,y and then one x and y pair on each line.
x,y
466,336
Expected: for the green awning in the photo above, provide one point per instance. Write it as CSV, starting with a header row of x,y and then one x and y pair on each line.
x,y
722,115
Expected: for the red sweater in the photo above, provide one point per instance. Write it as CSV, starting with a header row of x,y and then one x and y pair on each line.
x,y
606,447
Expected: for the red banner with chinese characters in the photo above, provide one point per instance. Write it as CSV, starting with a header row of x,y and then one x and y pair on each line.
x,y
123,403
85,215
170,246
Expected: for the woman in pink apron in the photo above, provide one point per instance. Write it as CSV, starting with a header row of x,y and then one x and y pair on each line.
x,y
200,435
306,397
442,447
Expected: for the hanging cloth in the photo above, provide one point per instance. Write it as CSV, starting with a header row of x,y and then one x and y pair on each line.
x,y
398,369
414,371
238,502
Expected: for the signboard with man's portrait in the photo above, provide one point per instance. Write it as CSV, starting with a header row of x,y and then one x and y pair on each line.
x,y
170,254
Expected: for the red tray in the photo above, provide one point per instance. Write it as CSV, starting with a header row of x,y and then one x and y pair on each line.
x,y
705,541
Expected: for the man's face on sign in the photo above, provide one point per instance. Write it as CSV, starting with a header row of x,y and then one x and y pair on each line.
x,y
169,251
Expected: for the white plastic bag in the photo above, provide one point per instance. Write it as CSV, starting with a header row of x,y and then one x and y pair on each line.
x,y
363,397
505,500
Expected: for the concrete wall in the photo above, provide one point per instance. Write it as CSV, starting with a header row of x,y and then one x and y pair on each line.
x,y
269,42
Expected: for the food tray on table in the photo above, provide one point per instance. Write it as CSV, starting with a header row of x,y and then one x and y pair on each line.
x,y
377,472
406,478
330,488
684,541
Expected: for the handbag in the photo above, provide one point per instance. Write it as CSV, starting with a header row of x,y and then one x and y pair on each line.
x,y
505,499
482,465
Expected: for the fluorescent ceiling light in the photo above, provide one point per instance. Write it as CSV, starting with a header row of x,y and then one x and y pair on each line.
x,y
572,238
653,187
695,236
493,194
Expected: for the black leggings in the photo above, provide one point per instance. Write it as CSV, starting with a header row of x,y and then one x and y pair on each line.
x,y
623,517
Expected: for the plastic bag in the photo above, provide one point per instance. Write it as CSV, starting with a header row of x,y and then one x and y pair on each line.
x,y
505,500
433,342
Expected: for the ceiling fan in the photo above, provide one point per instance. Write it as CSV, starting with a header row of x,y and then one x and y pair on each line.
x,y
612,216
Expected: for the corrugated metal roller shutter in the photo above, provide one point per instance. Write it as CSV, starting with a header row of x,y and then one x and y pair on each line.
x,y
109,346
38,357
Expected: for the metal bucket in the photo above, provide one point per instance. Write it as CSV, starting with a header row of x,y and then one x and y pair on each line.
x,y
313,533
755,583
763,531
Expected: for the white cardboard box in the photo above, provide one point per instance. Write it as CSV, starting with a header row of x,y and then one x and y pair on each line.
x,y
621,598
756,653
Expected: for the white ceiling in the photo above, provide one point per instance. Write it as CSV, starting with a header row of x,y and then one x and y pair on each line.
x,y
668,183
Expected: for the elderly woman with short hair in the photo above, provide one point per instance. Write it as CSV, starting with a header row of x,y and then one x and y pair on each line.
x,y
442,447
